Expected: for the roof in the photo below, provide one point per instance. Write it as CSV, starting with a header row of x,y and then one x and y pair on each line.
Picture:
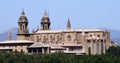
x,y
16,41
5,48
72,30
37,45
72,45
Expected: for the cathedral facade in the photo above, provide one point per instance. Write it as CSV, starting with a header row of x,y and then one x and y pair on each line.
x,y
86,41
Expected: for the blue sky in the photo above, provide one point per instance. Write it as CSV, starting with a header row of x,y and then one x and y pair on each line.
x,y
82,13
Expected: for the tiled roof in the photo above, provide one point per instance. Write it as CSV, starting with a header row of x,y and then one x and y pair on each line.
x,y
37,44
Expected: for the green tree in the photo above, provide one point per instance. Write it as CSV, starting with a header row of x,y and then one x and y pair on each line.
x,y
114,50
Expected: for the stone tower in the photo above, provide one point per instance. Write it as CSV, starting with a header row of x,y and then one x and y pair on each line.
x,y
22,26
68,24
45,22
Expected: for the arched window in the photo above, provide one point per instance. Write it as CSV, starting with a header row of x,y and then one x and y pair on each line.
x,y
37,38
98,35
51,38
58,38
89,50
90,35
20,26
44,39
23,27
69,38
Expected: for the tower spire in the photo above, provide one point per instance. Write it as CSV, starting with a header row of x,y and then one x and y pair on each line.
x,y
68,24
22,13
45,14
10,36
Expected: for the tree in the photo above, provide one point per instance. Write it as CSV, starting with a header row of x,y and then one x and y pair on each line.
x,y
114,50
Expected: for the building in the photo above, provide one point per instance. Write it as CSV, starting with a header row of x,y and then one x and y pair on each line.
x,y
72,41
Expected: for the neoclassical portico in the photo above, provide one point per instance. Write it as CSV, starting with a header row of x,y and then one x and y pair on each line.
x,y
96,46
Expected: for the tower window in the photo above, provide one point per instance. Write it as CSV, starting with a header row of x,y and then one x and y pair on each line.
x,y
23,28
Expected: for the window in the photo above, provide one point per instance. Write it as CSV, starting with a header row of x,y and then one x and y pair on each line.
x,y
58,38
23,27
78,42
51,38
89,50
69,38
90,35
21,50
98,35
88,41
44,39
93,41
37,38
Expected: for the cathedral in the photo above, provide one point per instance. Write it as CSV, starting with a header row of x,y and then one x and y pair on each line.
x,y
71,41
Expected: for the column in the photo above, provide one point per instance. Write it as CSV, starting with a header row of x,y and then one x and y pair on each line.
x,y
32,51
43,51
96,44
92,48
48,50
100,46
104,46
37,50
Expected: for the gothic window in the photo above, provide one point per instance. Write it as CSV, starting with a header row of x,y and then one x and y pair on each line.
x,y
51,38
101,40
46,27
98,35
69,38
44,39
78,42
90,35
88,41
93,41
20,26
37,38
58,38
89,50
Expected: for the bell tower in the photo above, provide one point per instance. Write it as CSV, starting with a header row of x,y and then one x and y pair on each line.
x,y
22,26
45,22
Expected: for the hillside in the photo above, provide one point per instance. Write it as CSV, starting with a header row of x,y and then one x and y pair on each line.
x,y
4,35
